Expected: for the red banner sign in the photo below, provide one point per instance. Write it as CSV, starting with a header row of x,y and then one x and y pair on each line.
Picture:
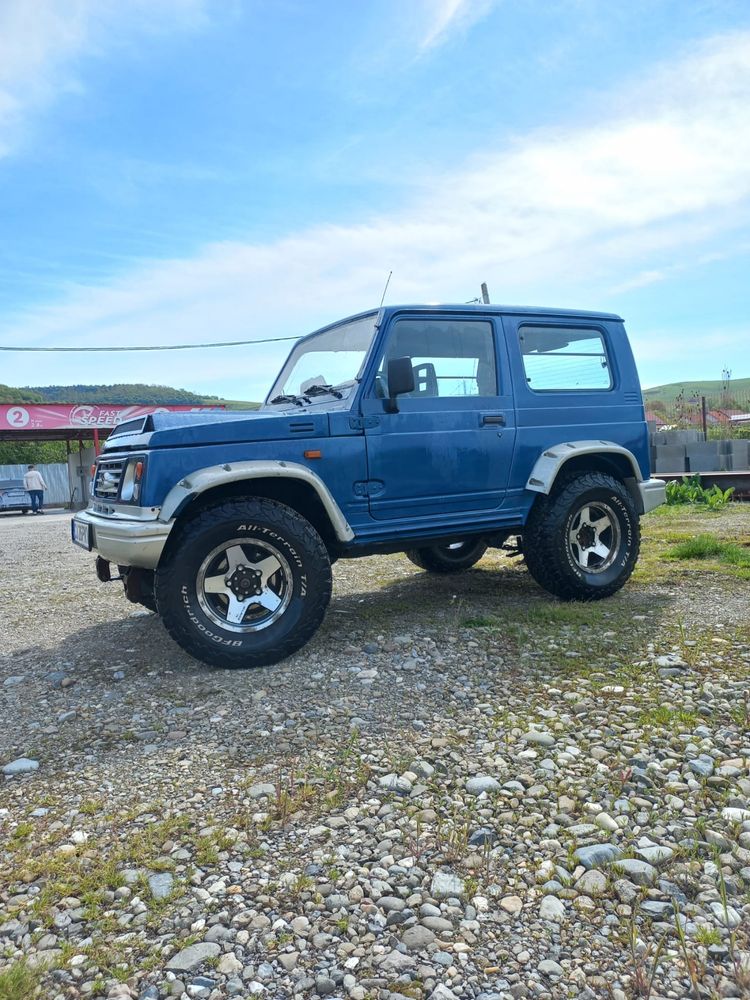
x,y
79,416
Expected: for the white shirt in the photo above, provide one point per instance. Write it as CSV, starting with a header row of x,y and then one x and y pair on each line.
x,y
33,480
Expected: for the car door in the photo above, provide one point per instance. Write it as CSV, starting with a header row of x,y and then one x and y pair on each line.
x,y
448,449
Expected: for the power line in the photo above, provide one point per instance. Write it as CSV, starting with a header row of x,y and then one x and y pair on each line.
x,y
162,347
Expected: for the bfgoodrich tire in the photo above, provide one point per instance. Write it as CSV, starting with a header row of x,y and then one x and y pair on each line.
x,y
581,543
245,583
450,558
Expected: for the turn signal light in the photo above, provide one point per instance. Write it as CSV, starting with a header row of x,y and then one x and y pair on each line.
x,y
138,472
93,469
313,454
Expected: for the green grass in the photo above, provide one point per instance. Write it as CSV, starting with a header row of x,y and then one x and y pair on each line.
x,y
661,715
710,547
707,936
700,540
547,612
482,621
19,981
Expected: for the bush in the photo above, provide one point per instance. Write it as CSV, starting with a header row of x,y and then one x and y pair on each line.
x,y
691,491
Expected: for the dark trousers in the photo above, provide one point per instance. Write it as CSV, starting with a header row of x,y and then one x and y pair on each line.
x,y
37,497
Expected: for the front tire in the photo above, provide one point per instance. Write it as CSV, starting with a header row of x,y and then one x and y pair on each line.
x,y
245,583
581,543
450,558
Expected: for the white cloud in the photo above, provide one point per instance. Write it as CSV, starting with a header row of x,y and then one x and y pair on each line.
x,y
562,217
448,17
42,41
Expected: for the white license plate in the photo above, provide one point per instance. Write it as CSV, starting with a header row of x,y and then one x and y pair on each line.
x,y
82,534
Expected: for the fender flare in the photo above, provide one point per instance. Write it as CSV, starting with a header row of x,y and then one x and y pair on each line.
x,y
218,475
551,461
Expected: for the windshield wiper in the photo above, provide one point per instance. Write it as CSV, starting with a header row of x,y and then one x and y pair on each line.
x,y
323,390
297,400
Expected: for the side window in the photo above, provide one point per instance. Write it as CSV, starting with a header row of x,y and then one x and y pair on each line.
x,y
559,358
449,357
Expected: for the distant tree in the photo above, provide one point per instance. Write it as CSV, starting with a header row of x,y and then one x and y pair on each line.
x,y
28,452
8,394
124,394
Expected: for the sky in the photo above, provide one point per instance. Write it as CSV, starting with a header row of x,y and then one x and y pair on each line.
x,y
184,171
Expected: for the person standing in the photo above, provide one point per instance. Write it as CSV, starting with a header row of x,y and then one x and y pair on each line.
x,y
35,484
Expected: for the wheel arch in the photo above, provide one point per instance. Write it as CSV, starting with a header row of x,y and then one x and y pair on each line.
x,y
294,485
563,460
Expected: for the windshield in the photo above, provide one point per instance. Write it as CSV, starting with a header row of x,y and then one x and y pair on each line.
x,y
331,359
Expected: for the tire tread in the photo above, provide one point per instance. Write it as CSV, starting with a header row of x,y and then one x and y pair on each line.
x,y
542,533
431,560
166,582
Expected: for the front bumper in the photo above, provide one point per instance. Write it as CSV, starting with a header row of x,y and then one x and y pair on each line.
x,y
126,541
653,494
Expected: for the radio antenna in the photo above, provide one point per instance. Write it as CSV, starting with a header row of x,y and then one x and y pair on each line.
x,y
387,283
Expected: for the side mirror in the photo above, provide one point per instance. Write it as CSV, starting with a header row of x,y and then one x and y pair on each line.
x,y
400,376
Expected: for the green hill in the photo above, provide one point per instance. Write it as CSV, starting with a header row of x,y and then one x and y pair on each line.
x,y
8,394
714,390
125,394
230,404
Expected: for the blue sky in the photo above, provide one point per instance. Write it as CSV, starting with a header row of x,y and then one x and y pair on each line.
x,y
176,171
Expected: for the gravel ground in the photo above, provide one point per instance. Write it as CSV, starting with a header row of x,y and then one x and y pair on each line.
x,y
459,788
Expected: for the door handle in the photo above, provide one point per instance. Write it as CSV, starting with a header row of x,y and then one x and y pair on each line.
x,y
495,419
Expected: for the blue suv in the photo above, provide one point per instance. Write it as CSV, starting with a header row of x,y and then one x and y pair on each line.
x,y
438,431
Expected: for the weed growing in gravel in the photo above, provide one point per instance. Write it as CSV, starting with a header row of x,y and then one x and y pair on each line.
x,y
412,990
91,807
208,847
740,713
20,833
706,935
292,793
690,962
481,621
673,718
644,959
19,981
452,840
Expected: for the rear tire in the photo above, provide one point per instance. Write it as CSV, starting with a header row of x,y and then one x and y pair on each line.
x,y
245,583
453,557
581,543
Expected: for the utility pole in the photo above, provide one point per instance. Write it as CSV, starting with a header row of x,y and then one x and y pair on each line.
x,y
485,294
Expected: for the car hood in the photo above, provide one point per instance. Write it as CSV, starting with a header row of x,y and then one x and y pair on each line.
x,y
171,430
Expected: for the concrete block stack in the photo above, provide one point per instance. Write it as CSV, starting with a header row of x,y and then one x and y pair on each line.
x,y
670,458
738,453
685,451
706,457
689,436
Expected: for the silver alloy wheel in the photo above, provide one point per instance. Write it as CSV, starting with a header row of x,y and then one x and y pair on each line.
x,y
244,586
594,537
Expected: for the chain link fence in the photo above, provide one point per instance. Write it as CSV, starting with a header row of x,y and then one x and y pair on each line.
x,y
725,415
692,433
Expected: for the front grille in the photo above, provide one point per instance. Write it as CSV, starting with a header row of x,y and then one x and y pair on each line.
x,y
107,479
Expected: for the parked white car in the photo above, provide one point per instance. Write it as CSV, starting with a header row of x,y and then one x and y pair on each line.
x,y
13,497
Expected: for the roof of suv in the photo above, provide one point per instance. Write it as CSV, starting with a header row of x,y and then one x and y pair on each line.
x,y
481,308
514,310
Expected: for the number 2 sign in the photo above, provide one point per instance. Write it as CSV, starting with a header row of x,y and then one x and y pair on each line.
x,y
17,416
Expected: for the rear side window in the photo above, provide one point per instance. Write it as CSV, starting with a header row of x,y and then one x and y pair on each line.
x,y
560,358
